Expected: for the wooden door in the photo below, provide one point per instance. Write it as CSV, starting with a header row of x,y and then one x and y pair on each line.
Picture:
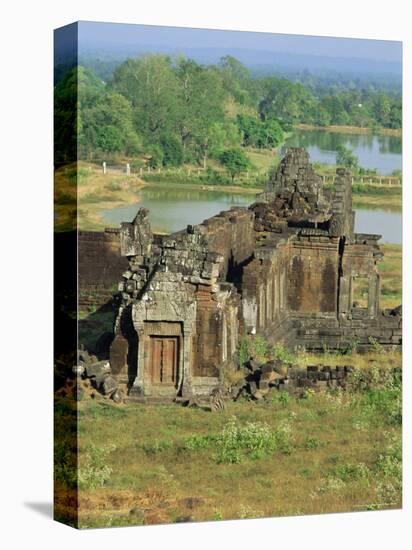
x,y
164,353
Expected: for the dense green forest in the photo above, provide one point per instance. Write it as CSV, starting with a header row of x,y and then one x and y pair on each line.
x,y
174,111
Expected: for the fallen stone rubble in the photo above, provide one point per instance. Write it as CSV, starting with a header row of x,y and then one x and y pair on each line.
x,y
93,379
261,378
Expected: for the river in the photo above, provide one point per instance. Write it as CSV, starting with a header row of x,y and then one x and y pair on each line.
x,y
174,209
383,153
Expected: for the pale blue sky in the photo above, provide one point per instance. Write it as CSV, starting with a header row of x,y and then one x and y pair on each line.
x,y
93,34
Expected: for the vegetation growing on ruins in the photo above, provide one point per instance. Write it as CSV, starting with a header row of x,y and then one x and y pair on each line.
x,y
284,455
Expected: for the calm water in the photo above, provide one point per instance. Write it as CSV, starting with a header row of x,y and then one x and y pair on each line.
x,y
172,210
383,153
387,224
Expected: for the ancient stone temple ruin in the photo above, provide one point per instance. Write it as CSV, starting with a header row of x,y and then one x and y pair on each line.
x,y
286,268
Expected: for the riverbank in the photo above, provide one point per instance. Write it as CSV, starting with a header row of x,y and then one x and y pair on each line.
x,y
82,193
199,186
366,196
396,132
374,197
97,192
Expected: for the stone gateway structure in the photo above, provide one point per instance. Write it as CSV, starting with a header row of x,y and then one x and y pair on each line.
x,y
286,268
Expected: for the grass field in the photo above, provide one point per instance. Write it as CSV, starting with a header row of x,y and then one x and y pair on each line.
x,y
391,276
390,270
325,452
263,159
377,197
95,192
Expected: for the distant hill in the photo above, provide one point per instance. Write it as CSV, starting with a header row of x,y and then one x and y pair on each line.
x,y
103,46
261,63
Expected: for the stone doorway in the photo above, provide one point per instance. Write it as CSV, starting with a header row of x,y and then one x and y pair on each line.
x,y
164,360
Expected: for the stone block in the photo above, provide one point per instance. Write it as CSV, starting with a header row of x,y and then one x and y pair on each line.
x,y
108,385
252,387
95,369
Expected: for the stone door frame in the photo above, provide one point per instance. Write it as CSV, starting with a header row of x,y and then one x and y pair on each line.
x,y
142,384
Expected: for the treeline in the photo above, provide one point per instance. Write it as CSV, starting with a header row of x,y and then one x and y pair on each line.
x,y
178,111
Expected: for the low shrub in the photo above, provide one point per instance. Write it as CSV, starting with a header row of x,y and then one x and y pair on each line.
x,y
389,471
351,472
237,442
94,471
281,353
311,443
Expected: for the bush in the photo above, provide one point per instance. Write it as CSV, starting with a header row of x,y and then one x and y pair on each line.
x,y
389,468
378,394
253,346
243,351
282,354
136,164
156,157
214,177
237,442
259,348
258,133
351,472
345,157
94,472
172,151
253,440
311,443
235,161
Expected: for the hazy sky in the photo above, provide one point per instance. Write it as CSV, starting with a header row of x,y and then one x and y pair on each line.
x,y
116,35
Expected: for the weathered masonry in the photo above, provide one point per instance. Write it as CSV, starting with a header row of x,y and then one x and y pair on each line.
x,y
288,267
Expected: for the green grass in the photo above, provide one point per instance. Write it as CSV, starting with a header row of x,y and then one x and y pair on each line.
x,y
390,270
376,197
263,159
210,178
329,452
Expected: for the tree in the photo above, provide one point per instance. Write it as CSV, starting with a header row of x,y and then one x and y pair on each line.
x,y
151,86
346,158
333,105
258,133
321,116
273,133
235,161
236,79
106,124
200,97
78,90
220,136
287,102
91,120
172,150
